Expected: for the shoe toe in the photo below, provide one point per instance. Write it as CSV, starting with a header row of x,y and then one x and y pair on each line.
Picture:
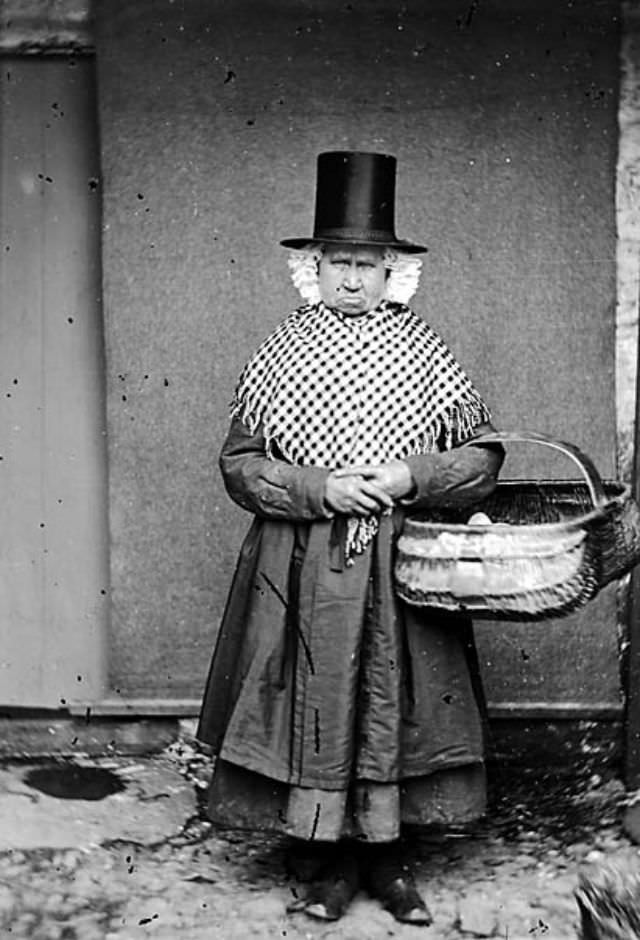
x,y
319,911
420,916
401,898
329,898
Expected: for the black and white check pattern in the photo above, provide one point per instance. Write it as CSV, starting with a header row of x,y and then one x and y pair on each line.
x,y
335,391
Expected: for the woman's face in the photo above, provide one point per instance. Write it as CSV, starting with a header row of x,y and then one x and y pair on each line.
x,y
352,278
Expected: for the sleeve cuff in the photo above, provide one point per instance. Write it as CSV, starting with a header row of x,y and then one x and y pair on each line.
x,y
421,467
314,490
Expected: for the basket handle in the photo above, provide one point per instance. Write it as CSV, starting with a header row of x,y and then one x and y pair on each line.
x,y
584,463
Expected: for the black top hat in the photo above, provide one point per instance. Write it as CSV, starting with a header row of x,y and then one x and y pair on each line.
x,y
355,201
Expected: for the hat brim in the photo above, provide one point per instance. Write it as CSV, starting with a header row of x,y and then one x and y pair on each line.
x,y
401,245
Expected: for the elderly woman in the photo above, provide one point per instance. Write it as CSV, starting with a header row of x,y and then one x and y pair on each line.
x,y
336,712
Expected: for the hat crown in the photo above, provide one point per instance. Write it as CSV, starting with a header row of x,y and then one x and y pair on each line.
x,y
355,194
355,201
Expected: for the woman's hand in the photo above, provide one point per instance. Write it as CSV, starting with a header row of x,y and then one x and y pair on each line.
x,y
393,478
350,493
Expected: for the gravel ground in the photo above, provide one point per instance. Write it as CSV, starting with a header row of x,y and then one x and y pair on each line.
x,y
512,876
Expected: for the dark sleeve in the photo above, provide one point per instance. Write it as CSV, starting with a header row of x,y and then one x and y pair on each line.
x,y
454,477
271,488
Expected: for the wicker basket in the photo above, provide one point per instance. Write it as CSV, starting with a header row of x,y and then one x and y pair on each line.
x,y
549,549
608,898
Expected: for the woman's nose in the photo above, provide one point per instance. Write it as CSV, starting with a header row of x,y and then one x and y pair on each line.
x,y
352,278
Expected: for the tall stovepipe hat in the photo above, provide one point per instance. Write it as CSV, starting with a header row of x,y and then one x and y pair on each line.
x,y
355,202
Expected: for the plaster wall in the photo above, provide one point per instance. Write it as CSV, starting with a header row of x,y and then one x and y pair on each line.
x,y
503,117
628,242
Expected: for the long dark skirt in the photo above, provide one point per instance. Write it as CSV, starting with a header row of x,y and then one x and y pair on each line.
x,y
333,707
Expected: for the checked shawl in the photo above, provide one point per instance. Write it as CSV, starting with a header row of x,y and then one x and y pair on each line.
x,y
336,391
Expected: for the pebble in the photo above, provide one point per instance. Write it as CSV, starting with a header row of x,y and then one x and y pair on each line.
x,y
7,900
88,924
477,915
31,899
49,931
71,859
56,901
526,861
84,883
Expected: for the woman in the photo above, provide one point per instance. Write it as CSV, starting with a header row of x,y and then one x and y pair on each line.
x,y
336,712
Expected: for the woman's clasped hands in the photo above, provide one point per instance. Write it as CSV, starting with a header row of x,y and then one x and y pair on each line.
x,y
368,490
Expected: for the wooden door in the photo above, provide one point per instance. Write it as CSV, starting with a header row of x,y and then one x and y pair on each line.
x,y
53,549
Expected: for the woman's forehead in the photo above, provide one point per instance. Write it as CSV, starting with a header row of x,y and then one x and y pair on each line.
x,y
358,252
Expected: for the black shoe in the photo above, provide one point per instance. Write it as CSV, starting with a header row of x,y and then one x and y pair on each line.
x,y
329,897
392,883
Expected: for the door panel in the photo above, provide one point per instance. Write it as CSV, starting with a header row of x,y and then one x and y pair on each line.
x,y
54,550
